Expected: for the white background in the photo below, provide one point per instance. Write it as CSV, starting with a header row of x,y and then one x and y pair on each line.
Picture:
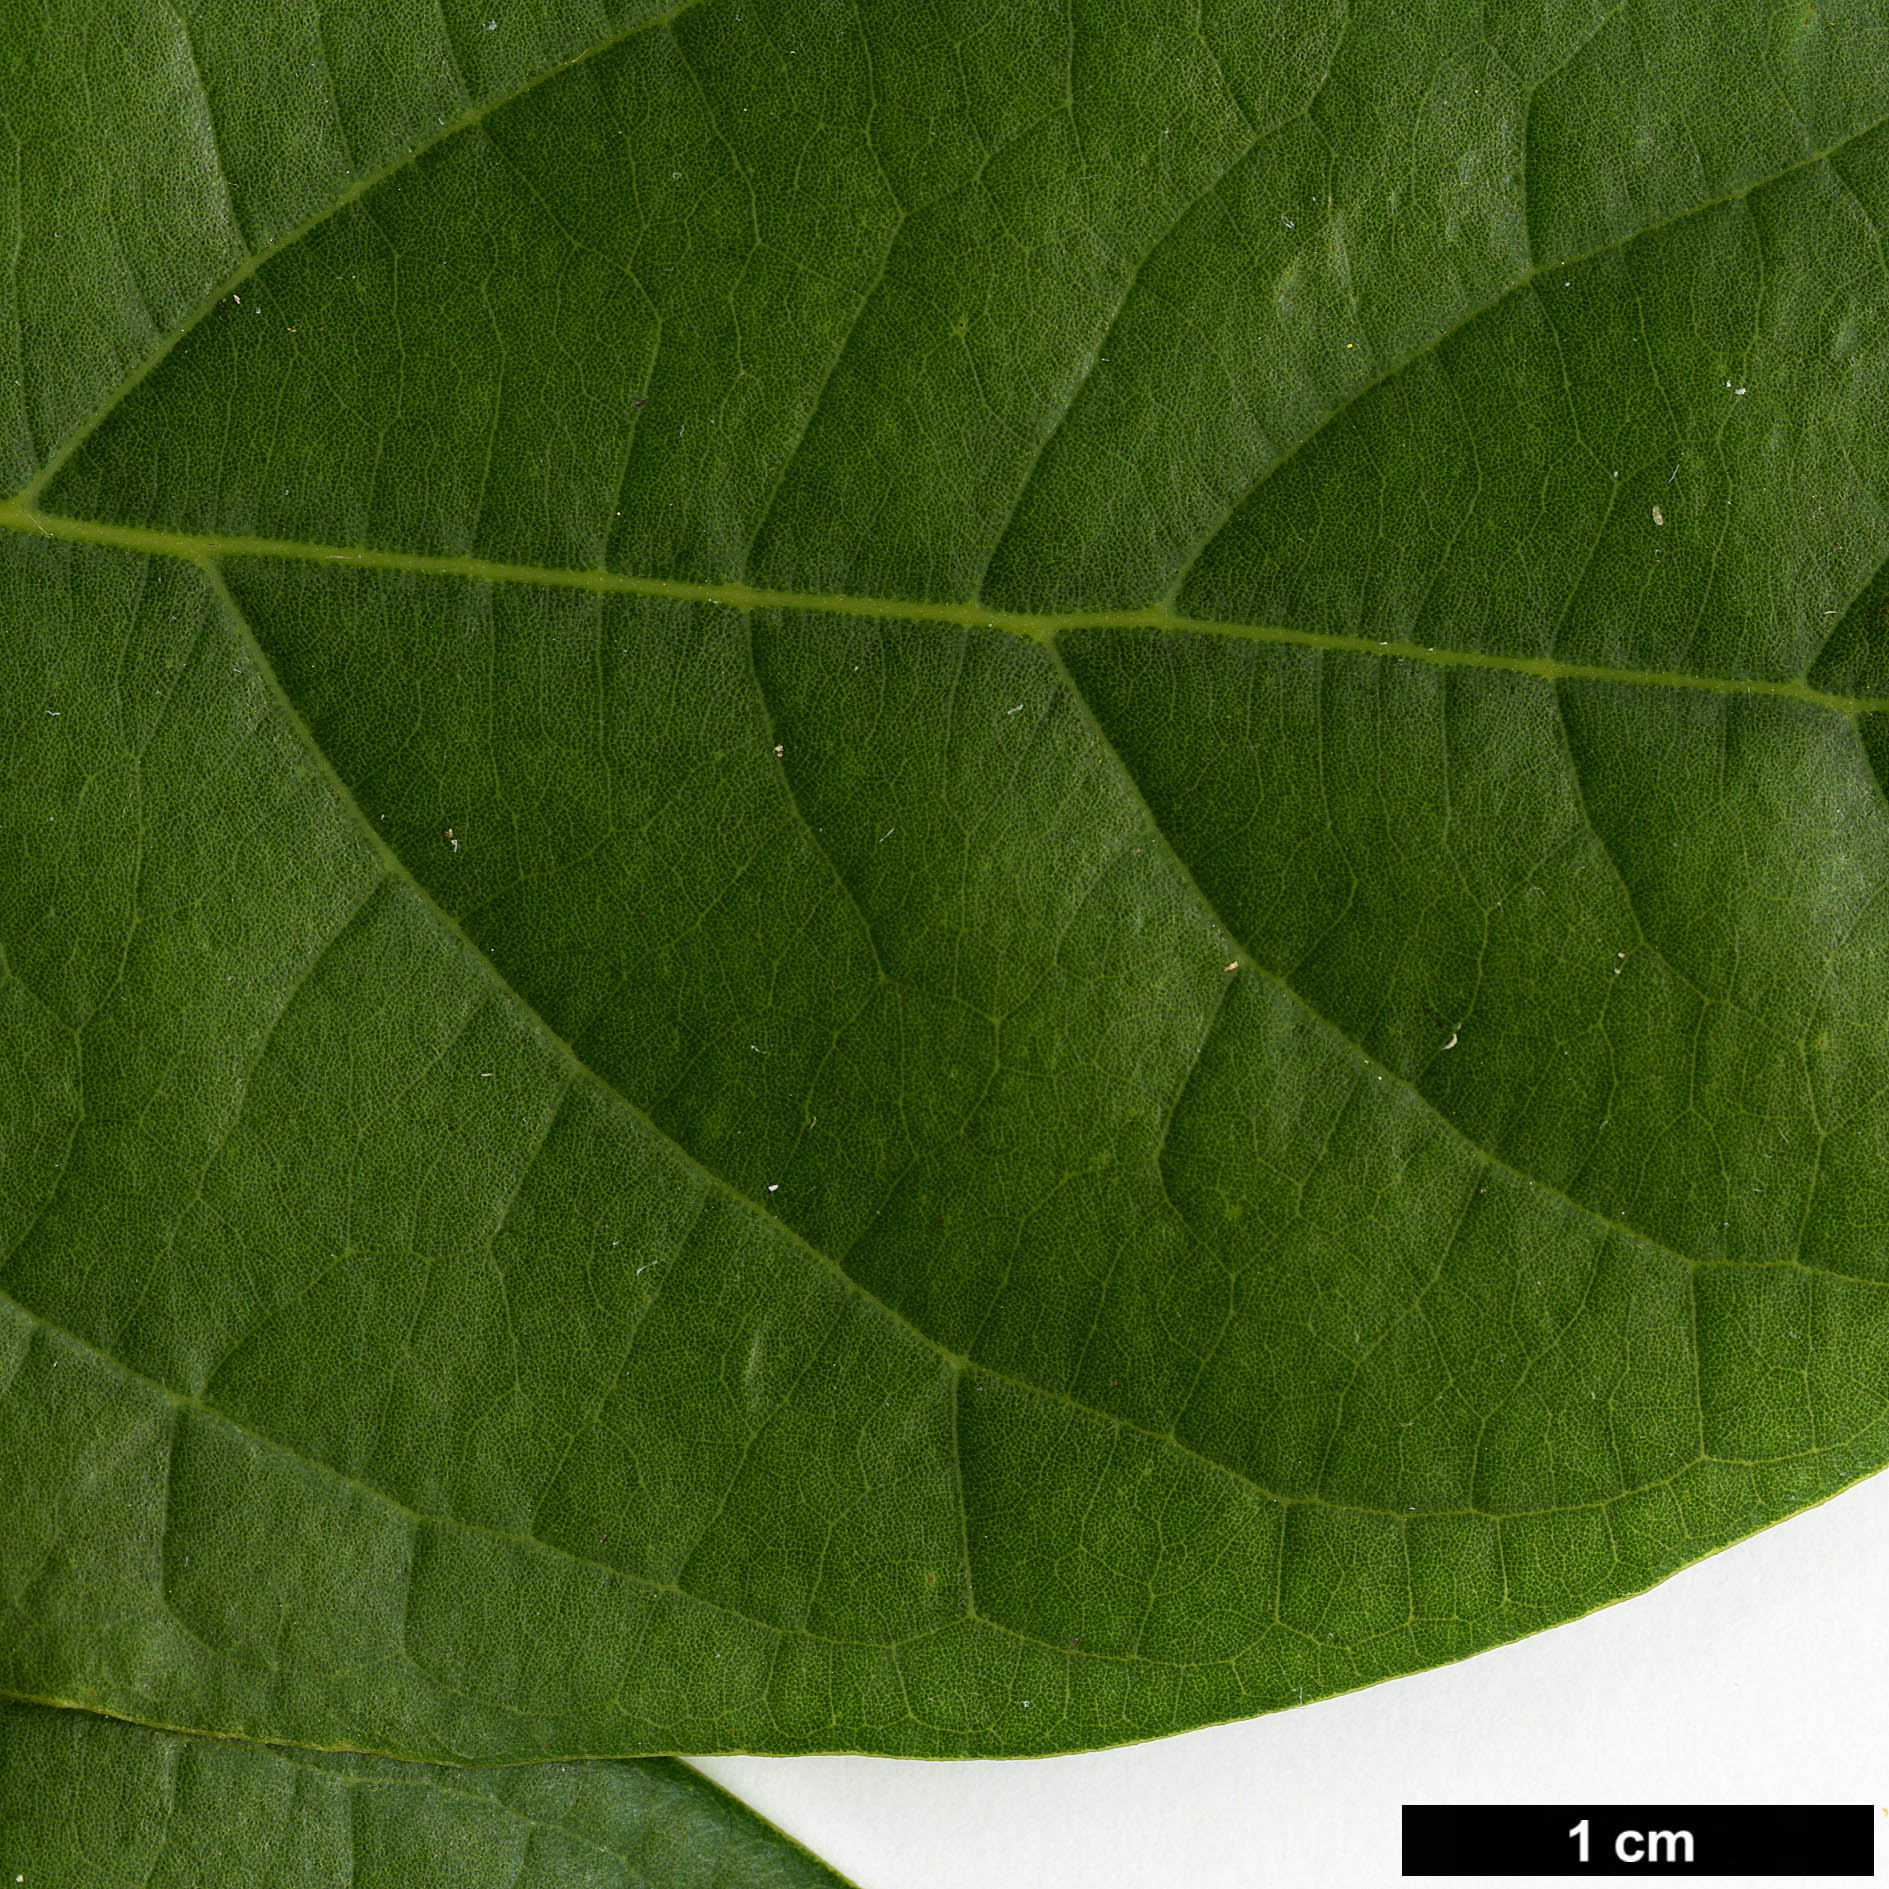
x,y
1760,1675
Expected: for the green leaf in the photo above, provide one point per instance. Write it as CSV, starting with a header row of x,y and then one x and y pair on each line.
x,y
95,1803
945,881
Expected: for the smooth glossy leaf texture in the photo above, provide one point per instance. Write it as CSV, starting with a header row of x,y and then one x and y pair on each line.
x,y
930,878
94,1803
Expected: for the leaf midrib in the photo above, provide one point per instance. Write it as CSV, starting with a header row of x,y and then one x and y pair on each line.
x,y
19,512
207,548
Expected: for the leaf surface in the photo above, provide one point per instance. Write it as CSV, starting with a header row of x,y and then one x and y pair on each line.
x,y
932,880
96,1803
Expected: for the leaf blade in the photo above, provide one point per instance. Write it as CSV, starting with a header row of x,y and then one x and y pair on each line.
x,y
1109,1123
114,1801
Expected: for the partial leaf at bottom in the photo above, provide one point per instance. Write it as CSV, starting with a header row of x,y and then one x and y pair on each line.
x,y
97,1803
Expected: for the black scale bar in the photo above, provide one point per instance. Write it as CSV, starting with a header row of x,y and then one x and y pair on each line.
x,y
1640,1839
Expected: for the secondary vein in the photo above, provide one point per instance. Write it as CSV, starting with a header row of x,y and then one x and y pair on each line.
x,y
475,113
